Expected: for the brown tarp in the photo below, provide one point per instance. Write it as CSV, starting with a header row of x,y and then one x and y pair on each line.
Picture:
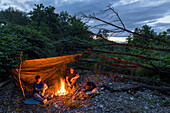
x,y
50,69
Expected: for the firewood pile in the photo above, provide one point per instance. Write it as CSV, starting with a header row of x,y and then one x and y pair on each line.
x,y
76,97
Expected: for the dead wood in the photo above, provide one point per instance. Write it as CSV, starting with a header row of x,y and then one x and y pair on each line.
x,y
3,83
121,60
133,78
127,45
19,77
110,63
75,94
162,89
142,82
128,54
124,29
120,90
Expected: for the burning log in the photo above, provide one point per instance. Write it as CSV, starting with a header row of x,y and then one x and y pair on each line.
x,y
62,89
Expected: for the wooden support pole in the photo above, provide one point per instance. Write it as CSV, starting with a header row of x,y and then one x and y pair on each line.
x,y
19,75
109,63
128,54
127,45
121,60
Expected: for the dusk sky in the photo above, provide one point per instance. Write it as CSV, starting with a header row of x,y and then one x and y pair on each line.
x,y
134,13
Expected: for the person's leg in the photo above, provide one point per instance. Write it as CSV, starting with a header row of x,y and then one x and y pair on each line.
x,y
44,88
68,83
43,92
73,82
39,98
46,95
50,96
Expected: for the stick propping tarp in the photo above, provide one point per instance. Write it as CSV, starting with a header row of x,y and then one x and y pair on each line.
x,y
19,75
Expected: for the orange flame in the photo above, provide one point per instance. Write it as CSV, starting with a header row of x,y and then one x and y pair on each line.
x,y
62,90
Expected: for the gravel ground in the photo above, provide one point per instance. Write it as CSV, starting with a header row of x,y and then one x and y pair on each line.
x,y
135,101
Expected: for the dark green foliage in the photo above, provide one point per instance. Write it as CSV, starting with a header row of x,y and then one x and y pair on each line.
x,y
14,16
44,19
164,62
57,26
65,30
14,39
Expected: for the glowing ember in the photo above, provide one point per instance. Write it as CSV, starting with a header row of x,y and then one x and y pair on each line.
x,y
62,90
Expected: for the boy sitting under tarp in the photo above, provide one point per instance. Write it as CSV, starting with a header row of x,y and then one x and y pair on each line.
x,y
39,90
71,77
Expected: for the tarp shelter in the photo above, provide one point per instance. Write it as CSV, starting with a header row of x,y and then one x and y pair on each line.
x,y
50,69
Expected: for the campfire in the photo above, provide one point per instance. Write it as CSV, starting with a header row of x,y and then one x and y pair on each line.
x,y
62,90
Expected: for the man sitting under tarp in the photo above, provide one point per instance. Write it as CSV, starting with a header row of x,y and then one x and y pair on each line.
x,y
71,77
39,90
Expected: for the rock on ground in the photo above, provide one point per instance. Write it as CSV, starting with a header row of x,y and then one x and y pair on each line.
x,y
143,100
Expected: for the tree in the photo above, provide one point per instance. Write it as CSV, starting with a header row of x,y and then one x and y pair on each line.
x,y
16,38
14,16
44,19
65,30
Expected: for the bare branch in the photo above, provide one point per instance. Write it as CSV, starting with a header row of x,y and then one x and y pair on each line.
x,y
96,18
128,54
128,45
111,8
110,63
121,60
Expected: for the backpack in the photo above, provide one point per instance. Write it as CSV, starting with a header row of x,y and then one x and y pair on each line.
x,y
89,86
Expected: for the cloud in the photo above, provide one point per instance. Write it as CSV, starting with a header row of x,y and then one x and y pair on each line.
x,y
124,2
134,13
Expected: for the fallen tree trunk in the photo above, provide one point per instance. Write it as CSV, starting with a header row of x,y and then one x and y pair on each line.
x,y
133,78
3,83
93,17
162,89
